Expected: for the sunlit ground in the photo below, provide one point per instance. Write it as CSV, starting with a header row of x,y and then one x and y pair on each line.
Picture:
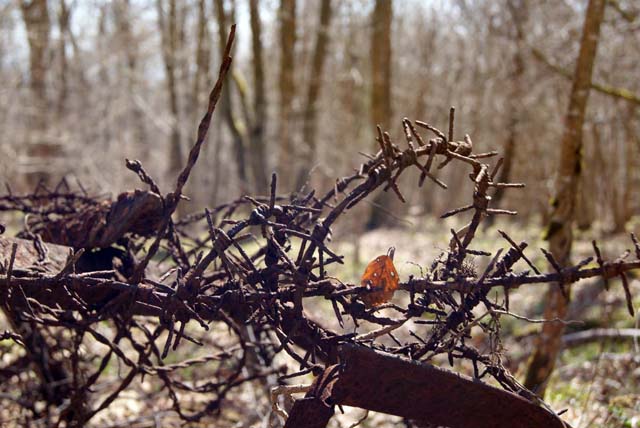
x,y
597,383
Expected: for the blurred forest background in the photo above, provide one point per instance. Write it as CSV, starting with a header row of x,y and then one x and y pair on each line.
x,y
85,84
88,83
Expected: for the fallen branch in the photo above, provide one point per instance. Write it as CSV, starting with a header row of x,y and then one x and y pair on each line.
x,y
599,335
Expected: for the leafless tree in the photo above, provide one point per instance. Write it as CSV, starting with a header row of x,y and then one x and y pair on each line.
x,y
559,232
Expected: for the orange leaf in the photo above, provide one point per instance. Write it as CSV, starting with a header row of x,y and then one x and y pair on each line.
x,y
381,277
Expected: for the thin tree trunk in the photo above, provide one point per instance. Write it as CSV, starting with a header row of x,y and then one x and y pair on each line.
x,y
122,13
287,89
203,53
381,98
601,194
381,63
518,13
559,232
632,146
628,190
169,34
310,121
40,151
586,200
182,58
424,88
105,132
623,190
615,183
257,141
238,131
64,16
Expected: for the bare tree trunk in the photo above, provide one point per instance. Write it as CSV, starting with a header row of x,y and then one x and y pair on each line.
x,y
105,133
258,151
518,13
425,88
203,53
122,14
183,65
622,186
238,131
627,193
64,16
287,88
381,63
586,200
170,44
632,144
601,191
615,185
381,97
559,231
39,150
310,121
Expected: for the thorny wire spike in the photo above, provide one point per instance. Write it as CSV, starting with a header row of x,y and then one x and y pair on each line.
x,y
238,291
391,252
172,199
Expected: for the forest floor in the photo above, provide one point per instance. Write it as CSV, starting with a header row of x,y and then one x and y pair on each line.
x,y
598,383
